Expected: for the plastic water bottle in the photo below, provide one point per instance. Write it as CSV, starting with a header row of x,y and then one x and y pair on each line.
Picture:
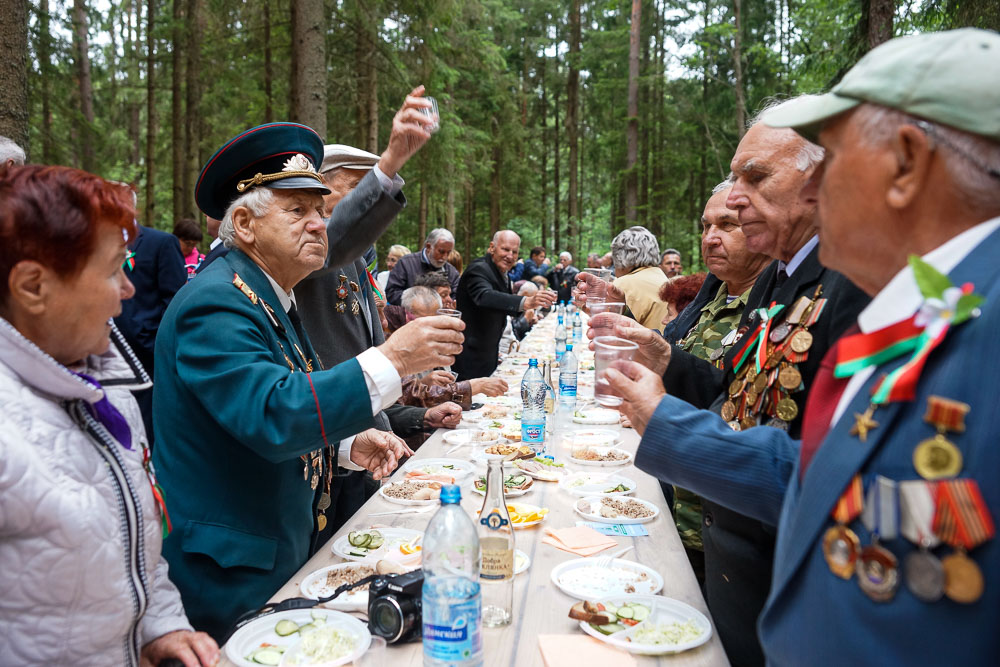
x,y
568,368
533,408
560,339
577,328
452,606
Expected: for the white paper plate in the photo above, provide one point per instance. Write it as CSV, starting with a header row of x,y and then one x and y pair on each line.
x,y
594,515
549,474
604,464
458,469
481,457
405,501
594,484
522,561
314,587
664,610
597,416
517,493
580,578
526,508
389,549
248,639
597,436
465,436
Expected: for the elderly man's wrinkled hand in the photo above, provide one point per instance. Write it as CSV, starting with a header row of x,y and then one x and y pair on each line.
x,y
194,649
654,350
438,378
378,452
641,391
446,415
543,298
409,133
587,283
424,343
491,386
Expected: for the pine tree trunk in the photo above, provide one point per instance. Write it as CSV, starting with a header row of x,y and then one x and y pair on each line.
x,y
81,52
644,107
880,14
367,77
556,192
14,71
309,56
469,222
422,214
495,180
177,109
193,116
150,114
741,105
45,64
632,130
543,123
133,108
572,104
268,66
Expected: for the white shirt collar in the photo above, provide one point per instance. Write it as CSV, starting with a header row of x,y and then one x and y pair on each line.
x,y
799,257
286,299
901,297
216,242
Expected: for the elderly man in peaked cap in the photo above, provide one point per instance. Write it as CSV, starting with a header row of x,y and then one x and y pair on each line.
x,y
251,428
886,549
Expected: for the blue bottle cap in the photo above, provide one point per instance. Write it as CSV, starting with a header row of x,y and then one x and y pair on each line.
x,y
532,362
451,494
569,346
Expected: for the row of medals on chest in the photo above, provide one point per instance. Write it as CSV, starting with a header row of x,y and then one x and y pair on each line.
x,y
913,508
767,391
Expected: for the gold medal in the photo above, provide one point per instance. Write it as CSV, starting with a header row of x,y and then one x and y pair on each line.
x,y
963,580
937,458
787,409
752,395
735,387
790,378
751,373
840,549
747,422
863,423
728,410
321,521
801,341
760,382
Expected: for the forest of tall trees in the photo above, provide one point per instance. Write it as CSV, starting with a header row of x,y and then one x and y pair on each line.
x,y
565,120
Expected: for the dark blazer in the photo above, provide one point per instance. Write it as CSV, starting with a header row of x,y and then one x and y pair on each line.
x,y
485,301
411,267
677,329
739,550
563,282
812,617
157,275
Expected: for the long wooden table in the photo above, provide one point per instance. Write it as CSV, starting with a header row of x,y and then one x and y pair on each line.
x,y
540,607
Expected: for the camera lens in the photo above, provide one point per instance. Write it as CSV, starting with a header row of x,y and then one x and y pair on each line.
x,y
391,618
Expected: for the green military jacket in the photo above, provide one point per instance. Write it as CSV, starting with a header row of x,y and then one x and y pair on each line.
x,y
232,419
718,319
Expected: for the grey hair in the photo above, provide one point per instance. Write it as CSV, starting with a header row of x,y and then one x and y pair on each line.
x,y
257,200
567,255
439,234
11,151
398,250
967,157
634,248
496,237
527,288
419,295
670,251
809,154
726,184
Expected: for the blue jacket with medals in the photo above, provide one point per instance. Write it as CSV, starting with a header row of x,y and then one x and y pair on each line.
x,y
812,616
232,420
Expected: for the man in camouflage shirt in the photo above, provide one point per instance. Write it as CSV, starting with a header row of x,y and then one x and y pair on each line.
x,y
726,256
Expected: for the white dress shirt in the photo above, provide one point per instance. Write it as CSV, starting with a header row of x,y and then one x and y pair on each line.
x,y
901,297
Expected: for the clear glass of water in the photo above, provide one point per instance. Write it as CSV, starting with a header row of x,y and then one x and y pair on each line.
x,y
450,312
375,655
604,326
608,351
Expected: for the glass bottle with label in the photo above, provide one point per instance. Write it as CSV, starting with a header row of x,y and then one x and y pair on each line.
x,y
496,539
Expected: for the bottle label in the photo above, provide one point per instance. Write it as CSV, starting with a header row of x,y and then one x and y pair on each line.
x,y
498,559
494,520
458,640
532,432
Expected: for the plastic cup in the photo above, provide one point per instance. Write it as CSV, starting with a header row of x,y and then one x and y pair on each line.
x,y
450,312
604,326
598,293
375,655
609,350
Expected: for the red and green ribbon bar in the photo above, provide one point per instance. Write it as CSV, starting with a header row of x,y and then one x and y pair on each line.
x,y
757,340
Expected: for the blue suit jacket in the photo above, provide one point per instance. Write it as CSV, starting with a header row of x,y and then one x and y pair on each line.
x,y
157,275
813,617
232,421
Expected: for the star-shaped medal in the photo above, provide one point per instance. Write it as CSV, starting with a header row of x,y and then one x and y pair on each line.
x,y
863,423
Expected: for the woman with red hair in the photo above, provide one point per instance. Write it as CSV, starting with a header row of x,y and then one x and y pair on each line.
x,y
678,292
80,523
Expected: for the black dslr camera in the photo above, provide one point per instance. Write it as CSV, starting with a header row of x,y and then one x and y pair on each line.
x,y
394,607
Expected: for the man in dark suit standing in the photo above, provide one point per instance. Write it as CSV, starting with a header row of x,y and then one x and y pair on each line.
x,y
216,249
155,266
485,299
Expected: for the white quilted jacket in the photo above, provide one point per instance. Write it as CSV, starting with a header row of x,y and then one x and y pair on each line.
x,y
81,578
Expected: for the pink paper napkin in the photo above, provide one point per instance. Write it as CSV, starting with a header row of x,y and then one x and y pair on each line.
x,y
580,540
576,650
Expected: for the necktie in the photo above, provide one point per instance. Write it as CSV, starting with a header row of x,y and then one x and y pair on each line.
x,y
824,395
779,280
109,416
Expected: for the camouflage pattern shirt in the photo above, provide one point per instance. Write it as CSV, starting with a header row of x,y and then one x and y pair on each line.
x,y
718,318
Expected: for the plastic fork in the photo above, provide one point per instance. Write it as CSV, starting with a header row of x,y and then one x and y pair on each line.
x,y
605,561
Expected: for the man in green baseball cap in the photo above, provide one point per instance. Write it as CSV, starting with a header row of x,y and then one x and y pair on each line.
x,y
887,508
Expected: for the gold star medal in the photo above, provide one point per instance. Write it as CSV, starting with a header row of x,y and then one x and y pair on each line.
x,y
863,423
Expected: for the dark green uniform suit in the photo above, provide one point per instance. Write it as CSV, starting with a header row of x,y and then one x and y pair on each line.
x,y
232,421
